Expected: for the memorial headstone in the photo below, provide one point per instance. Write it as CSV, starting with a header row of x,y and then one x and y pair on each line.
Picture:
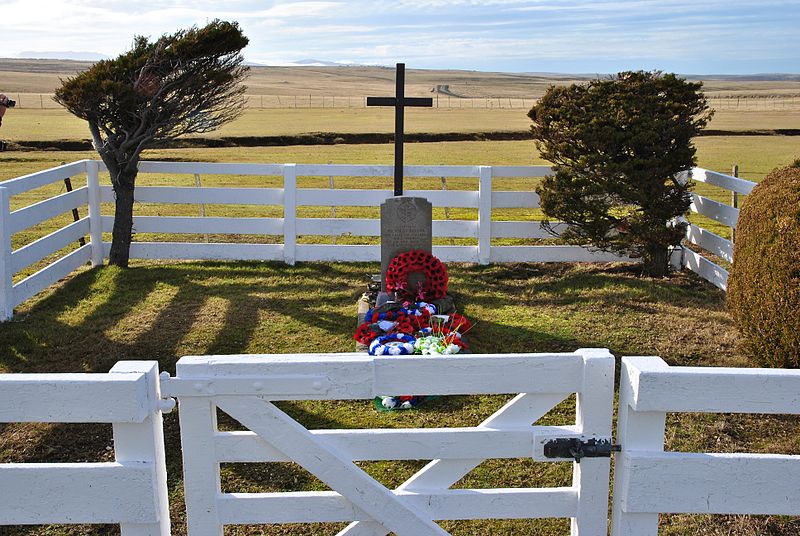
x,y
406,224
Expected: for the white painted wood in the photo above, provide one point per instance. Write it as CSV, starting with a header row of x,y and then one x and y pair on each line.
x,y
201,225
479,374
201,481
521,171
725,214
35,283
485,215
272,386
330,466
6,271
41,248
324,197
711,483
715,389
74,398
711,272
210,168
337,252
44,210
95,214
339,226
515,200
203,251
456,253
289,214
403,444
635,431
709,241
143,443
524,229
594,409
43,178
205,195
552,254
41,493
345,170
723,181
299,507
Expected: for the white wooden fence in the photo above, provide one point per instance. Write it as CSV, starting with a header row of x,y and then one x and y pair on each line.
x,y
648,480
244,387
131,491
286,229
705,239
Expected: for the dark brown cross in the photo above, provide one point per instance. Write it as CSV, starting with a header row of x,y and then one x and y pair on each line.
x,y
399,101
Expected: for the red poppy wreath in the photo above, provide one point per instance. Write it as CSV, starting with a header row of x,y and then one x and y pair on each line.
x,y
435,284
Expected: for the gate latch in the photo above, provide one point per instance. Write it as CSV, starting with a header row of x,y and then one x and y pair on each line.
x,y
573,447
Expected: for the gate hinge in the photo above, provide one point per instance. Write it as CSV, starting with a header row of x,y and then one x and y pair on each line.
x,y
572,447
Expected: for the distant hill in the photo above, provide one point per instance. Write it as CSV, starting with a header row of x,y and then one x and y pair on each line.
x,y
62,55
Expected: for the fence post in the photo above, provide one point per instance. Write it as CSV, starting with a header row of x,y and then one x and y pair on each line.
x,y
6,272
636,430
95,217
485,215
289,213
734,200
144,443
594,409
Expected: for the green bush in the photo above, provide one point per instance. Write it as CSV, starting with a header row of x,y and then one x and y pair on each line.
x,y
764,283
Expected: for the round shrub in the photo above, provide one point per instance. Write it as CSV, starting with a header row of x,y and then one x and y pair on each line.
x,y
764,283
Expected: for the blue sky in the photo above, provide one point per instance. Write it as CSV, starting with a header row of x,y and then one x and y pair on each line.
x,y
688,37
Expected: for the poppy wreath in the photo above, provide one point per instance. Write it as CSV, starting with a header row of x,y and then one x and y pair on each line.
x,y
416,260
371,317
365,334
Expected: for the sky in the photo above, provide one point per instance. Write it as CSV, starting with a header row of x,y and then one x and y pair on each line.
x,y
683,36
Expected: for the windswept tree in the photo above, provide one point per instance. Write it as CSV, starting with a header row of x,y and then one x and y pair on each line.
x,y
617,146
184,83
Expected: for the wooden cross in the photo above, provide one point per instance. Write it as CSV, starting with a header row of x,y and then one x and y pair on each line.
x,y
399,101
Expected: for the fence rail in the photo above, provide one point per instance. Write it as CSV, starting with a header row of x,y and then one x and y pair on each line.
x,y
649,481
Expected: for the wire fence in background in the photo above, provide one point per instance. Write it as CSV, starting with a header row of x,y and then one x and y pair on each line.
x,y
732,102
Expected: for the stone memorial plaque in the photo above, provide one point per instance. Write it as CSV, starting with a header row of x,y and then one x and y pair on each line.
x,y
406,223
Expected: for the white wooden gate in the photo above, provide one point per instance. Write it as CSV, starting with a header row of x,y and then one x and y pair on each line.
x,y
245,387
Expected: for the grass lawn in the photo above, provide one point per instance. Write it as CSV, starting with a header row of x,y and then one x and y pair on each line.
x,y
164,311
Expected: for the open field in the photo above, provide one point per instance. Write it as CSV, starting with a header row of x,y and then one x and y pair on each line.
x,y
163,311
57,124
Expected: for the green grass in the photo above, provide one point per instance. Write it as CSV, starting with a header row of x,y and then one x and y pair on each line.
x,y
163,311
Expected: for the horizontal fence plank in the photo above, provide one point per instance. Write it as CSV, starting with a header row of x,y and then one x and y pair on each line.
x,y
337,253
201,225
677,482
51,274
344,170
203,251
361,376
43,178
515,200
716,390
725,214
456,253
210,168
77,493
728,182
108,397
711,272
41,248
521,171
323,197
709,241
480,374
329,506
552,254
397,444
524,229
44,210
372,227
200,195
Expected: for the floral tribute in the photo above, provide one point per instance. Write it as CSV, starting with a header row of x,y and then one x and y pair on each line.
x,y
421,321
